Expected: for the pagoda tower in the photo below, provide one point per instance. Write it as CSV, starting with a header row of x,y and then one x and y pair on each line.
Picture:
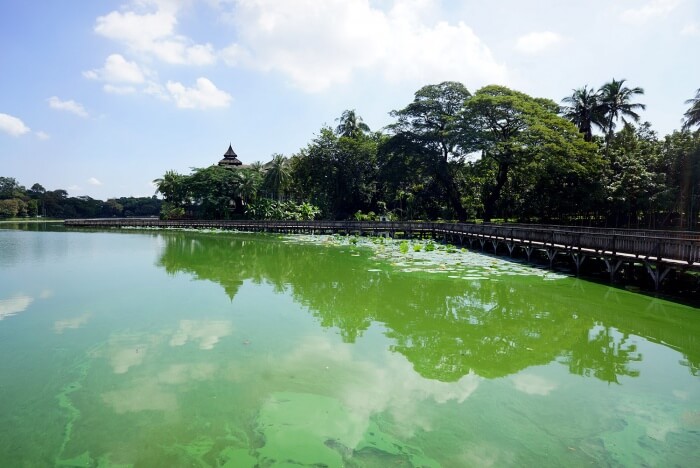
x,y
230,159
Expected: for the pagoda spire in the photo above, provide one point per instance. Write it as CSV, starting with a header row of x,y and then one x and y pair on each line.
x,y
230,158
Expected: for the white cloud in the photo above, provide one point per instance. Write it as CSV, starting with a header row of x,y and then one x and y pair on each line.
x,y
117,70
536,42
93,181
153,34
691,30
650,10
42,135
203,95
74,188
319,44
68,106
12,125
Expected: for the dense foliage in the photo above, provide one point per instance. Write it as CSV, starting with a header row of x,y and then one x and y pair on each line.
x,y
17,201
494,153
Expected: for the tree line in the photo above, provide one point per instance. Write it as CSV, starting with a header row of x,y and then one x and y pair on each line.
x,y
17,201
452,154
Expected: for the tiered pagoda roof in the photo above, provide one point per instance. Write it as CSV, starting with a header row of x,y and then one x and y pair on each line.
x,y
230,158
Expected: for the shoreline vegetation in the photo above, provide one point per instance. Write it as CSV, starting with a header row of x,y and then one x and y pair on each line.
x,y
454,154
451,154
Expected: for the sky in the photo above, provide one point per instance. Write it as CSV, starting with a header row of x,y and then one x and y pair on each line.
x,y
100,98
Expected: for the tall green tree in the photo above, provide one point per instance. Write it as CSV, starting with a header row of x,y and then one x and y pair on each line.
x,y
338,174
516,132
429,129
634,183
691,117
277,175
585,110
680,157
616,99
350,124
173,187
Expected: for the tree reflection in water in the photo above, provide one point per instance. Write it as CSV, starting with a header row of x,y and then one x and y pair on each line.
x,y
445,327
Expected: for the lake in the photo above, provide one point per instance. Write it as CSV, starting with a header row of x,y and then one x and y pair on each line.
x,y
157,348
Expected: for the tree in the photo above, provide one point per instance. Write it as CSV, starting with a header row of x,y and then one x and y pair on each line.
x,y
172,187
277,175
616,101
692,115
351,124
585,110
429,128
680,156
249,182
633,181
10,188
215,191
514,131
338,174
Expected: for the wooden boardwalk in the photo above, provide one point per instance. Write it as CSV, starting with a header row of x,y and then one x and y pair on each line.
x,y
659,251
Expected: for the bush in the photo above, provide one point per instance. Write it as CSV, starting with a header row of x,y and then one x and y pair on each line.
x,y
170,211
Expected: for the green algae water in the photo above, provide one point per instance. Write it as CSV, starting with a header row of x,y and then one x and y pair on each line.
x,y
229,349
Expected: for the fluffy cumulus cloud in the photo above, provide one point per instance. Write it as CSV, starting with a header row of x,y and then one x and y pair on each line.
x,y
319,44
12,125
536,42
94,181
149,29
117,70
649,10
203,95
67,106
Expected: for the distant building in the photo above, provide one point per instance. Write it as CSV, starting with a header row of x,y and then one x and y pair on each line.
x,y
230,159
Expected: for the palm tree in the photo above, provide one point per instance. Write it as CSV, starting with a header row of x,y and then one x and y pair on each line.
x,y
278,174
171,187
351,124
584,109
248,182
616,100
692,115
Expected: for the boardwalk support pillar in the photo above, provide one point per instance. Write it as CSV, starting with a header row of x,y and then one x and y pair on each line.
x,y
578,261
528,251
494,243
510,246
657,273
551,253
613,265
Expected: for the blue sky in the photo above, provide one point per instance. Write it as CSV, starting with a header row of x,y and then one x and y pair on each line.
x,y
100,98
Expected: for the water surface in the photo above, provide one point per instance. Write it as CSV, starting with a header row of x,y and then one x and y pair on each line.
x,y
207,349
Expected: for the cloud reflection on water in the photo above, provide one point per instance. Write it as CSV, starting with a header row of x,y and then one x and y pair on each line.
x,y
71,323
14,305
206,332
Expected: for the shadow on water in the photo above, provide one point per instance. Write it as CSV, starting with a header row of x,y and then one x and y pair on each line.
x,y
447,327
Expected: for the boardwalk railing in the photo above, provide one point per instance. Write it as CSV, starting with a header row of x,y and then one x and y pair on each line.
x,y
679,248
